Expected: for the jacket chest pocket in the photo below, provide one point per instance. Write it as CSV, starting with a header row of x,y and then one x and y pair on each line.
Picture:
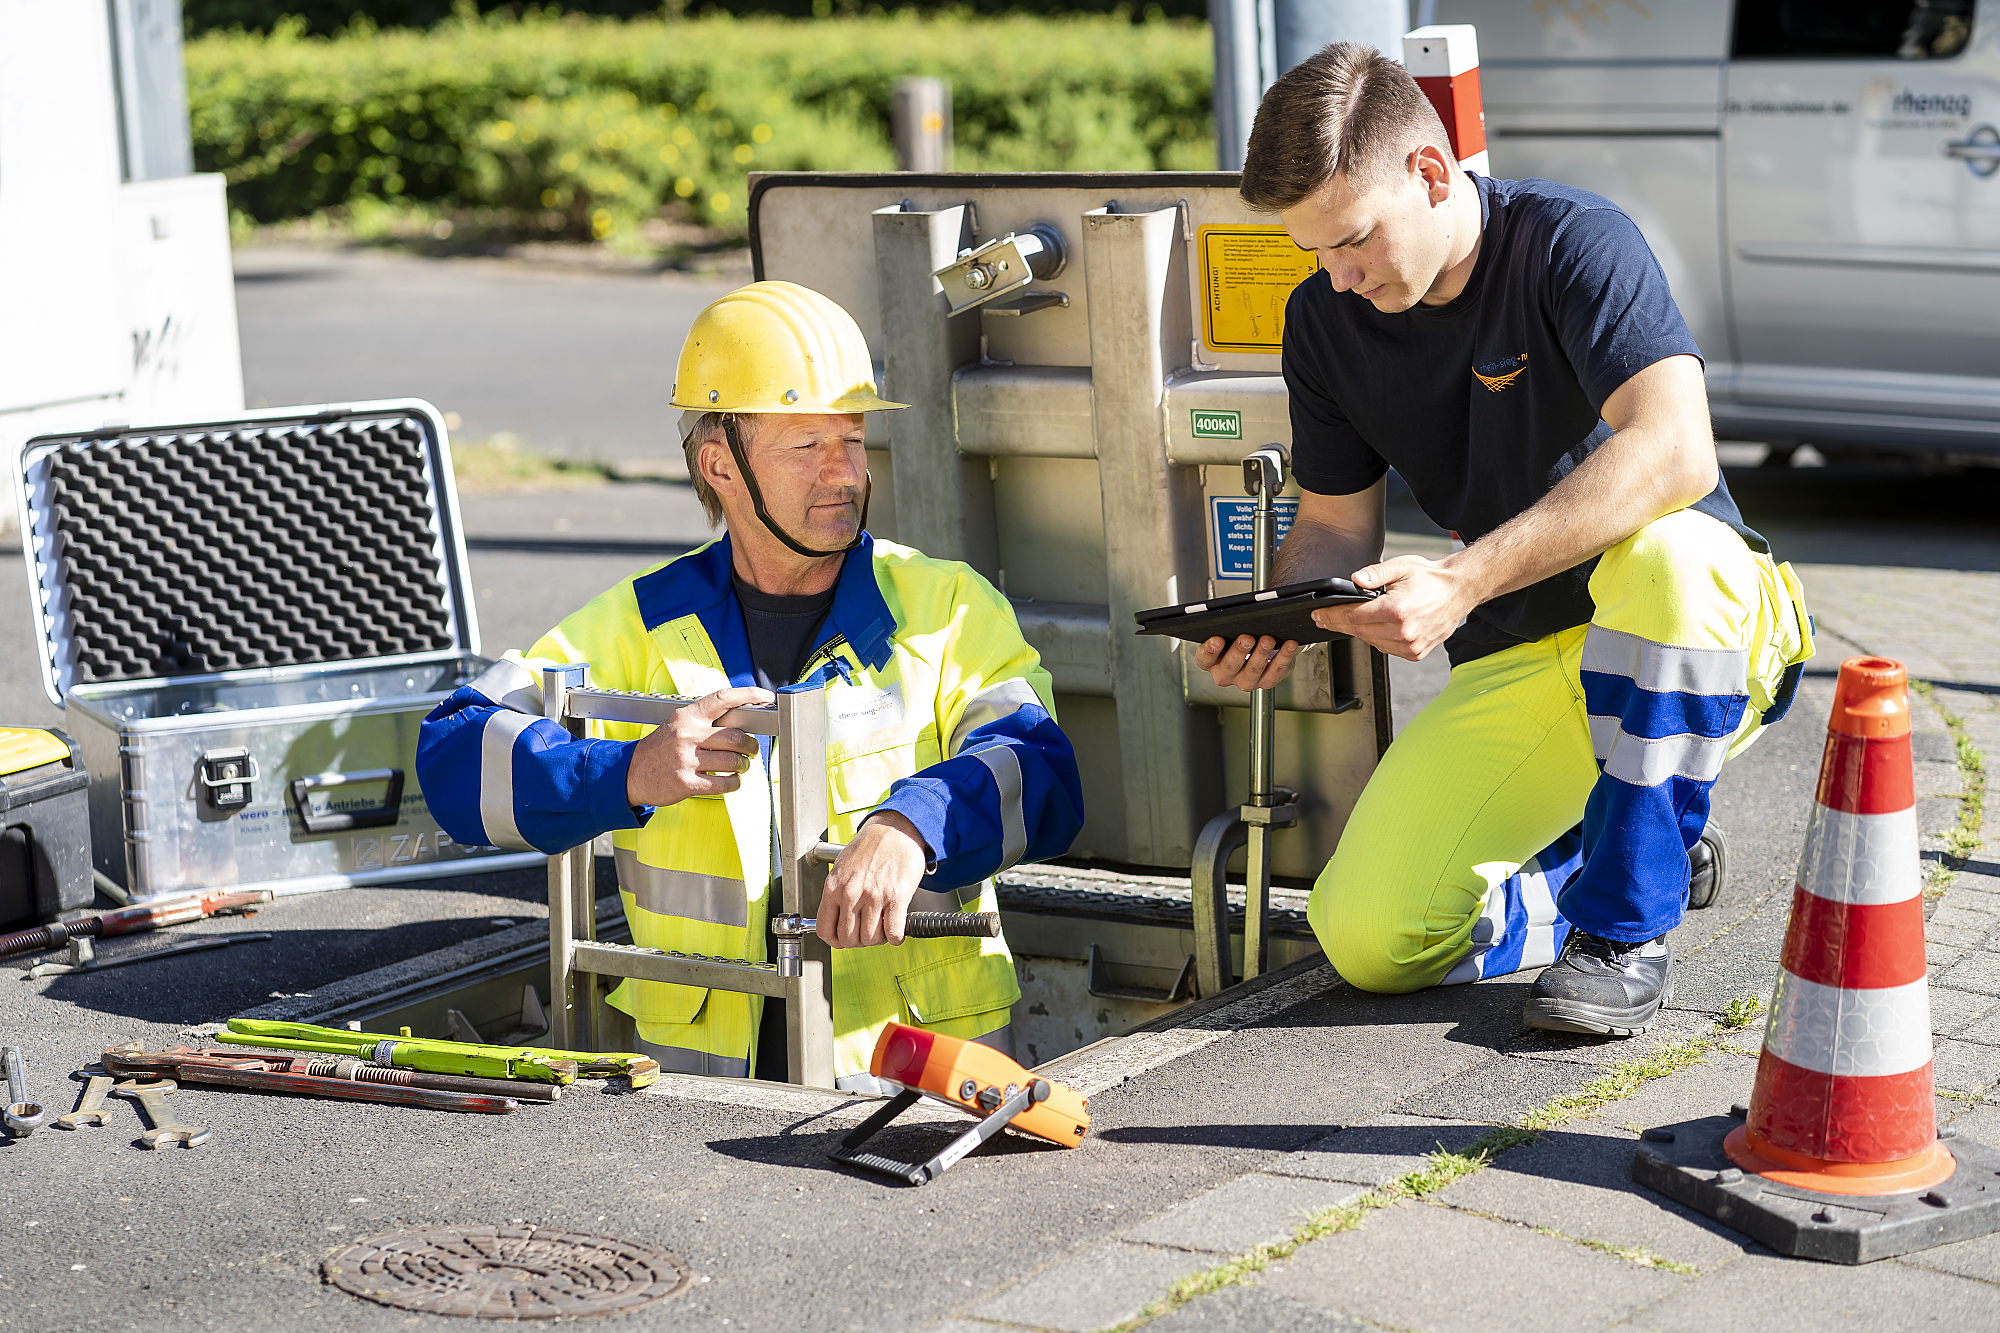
x,y
872,740
863,780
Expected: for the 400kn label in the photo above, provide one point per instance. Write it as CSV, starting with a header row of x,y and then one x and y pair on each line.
x,y
1247,275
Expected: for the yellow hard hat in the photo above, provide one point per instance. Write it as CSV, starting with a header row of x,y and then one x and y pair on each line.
x,y
776,347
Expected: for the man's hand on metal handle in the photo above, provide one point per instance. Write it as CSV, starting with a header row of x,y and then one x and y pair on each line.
x,y
690,756
1248,663
868,891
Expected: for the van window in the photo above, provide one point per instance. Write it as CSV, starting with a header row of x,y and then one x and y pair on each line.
x,y
1831,29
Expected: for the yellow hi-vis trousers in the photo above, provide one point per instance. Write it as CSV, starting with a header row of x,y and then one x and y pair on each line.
x,y
1559,783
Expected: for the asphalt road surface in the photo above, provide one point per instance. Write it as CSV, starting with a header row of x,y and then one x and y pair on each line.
x,y
571,361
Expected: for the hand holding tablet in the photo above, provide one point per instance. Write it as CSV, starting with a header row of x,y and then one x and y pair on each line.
x,y
1281,613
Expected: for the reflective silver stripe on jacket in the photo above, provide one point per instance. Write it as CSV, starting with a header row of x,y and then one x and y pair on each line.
x,y
990,705
496,779
681,1060
1000,1039
946,900
1006,767
511,685
712,898
1647,762
1661,667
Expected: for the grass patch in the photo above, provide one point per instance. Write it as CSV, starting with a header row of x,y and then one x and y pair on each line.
x,y
1741,1010
1620,1081
1631,1254
1443,1168
1964,837
499,463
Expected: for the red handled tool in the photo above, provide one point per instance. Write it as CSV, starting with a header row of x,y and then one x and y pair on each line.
x,y
968,1077
176,910
230,1069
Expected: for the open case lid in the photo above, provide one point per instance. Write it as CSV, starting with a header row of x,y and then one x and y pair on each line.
x,y
293,537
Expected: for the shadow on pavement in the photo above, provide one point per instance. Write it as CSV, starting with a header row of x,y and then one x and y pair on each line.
x,y
1486,1015
1265,1138
317,939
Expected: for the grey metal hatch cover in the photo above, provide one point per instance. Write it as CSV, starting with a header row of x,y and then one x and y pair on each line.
x,y
512,1273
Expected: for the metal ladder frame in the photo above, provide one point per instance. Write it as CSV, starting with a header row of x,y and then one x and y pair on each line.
x,y
797,725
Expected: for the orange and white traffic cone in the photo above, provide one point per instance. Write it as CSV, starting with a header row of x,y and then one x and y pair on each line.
x,y
1842,1103
1842,1106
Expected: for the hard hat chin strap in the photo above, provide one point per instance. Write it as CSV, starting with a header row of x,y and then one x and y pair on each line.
x,y
736,451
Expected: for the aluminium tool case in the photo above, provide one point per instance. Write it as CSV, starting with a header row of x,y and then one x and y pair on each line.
x,y
247,621
44,827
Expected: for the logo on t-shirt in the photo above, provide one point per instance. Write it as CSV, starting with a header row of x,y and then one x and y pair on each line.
x,y
1498,375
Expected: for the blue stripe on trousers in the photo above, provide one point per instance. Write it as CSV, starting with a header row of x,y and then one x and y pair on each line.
x,y
1653,715
1555,864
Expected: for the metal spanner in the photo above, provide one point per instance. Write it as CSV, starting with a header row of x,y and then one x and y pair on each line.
x,y
91,1108
152,1099
22,1117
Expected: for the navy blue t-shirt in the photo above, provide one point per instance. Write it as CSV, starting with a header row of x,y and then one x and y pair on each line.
x,y
1484,403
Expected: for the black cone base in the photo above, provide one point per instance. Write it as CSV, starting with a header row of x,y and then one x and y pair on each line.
x,y
1686,1163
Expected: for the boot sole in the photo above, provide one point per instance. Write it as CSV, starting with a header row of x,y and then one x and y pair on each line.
x,y
1590,1020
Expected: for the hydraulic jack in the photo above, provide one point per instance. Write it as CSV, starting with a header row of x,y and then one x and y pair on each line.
x,y
965,1076
1269,807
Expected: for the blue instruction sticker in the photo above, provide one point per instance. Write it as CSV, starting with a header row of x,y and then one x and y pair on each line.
x,y
1233,533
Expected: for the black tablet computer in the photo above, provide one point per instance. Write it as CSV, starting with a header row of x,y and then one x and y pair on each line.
x,y
1283,613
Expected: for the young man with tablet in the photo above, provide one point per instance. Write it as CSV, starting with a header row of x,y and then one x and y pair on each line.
x,y
1615,630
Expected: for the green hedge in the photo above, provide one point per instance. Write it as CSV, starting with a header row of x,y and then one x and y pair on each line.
x,y
587,126
326,16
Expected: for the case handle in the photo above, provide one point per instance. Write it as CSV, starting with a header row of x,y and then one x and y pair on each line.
x,y
391,809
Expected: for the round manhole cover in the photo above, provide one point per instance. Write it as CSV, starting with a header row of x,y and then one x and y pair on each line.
x,y
506,1272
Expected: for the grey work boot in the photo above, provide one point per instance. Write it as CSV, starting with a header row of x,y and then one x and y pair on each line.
x,y
1603,987
1708,867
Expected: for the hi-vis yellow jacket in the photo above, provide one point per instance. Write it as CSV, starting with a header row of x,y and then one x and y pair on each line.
x,y
937,709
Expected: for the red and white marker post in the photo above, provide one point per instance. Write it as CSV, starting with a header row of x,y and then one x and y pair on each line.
x,y
1444,60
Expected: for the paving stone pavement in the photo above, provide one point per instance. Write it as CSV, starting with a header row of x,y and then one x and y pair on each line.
x,y
1557,1222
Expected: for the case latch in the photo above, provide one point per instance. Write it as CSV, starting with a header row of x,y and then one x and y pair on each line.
x,y
226,778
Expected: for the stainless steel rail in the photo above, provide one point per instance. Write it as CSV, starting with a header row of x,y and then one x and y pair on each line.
x,y
1269,807
797,724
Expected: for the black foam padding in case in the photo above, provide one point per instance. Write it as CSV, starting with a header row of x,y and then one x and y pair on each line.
x,y
260,546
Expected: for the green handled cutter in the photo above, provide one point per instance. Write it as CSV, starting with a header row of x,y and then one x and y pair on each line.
x,y
533,1064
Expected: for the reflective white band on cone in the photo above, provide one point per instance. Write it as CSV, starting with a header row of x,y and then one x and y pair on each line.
x,y
1850,1033
1860,859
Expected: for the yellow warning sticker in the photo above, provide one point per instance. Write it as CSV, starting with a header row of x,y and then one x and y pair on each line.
x,y
1247,274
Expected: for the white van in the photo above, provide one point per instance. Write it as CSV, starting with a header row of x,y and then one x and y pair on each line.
x,y
1820,180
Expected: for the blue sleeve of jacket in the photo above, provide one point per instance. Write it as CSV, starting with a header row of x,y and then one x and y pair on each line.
x,y
499,777
1011,793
